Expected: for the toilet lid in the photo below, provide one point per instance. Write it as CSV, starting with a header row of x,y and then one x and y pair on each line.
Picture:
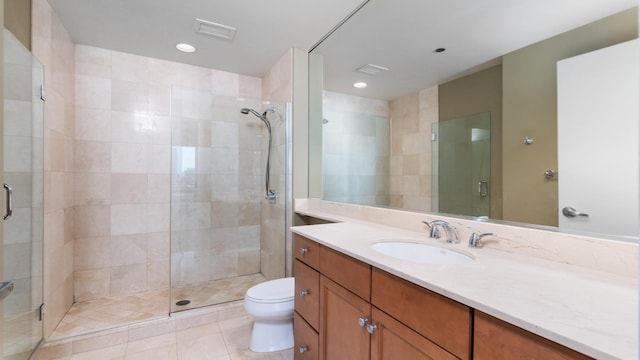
x,y
273,290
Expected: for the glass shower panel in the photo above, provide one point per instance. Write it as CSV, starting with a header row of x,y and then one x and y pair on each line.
x,y
217,189
463,165
355,148
23,172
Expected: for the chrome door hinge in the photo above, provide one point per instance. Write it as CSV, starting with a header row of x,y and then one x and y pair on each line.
x,y
42,97
41,312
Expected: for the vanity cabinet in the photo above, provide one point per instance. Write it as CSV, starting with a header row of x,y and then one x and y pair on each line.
x,y
359,318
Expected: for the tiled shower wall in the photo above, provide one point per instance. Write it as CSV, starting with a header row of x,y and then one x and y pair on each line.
x,y
53,47
356,149
277,90
411,156
123,153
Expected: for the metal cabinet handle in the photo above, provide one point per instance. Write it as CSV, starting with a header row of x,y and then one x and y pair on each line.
x,y
9,204
371,328
571,212
304,250
303,349
304,293
363,321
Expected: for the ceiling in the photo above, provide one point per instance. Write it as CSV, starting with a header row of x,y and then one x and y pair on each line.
x,y
265,29
402,35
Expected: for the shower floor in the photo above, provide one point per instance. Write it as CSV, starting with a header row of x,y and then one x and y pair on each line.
x,y
214,292
105,313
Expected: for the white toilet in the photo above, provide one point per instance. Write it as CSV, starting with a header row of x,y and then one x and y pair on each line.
x,y
271,305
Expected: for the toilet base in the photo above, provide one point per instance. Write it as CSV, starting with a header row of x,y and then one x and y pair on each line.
x,y
274,335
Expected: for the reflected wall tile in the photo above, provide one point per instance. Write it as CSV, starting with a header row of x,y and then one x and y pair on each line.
x,y
158,246
128,279
129,96
159,187
128,188
224,134
250,87
160,130
91,284
128,250
92,124
225,83
158,274
17,118
17,153
92,92
91,253
128,219
92,156
129,127
92,221
129,67
129,158
92,189
158,219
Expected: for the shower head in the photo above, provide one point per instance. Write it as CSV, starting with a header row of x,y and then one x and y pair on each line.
x,y
246,111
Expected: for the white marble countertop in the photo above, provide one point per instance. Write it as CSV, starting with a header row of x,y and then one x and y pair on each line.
x,y
593,312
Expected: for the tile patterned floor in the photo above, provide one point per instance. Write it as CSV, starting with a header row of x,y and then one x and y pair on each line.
x,y
214,292
222,340
106,313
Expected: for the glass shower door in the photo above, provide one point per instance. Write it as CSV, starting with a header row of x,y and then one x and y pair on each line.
x,y
23,173
463,148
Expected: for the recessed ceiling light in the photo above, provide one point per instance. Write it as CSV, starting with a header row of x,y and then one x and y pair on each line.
x,y
185,48
360,85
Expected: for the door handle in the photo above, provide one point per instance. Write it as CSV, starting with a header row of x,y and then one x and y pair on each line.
x,y
571,212
9,204
6,287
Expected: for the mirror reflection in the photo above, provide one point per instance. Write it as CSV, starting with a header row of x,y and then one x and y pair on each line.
x,y
383,144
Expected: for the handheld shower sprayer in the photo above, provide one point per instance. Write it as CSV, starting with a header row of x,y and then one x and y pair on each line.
x,y
269,194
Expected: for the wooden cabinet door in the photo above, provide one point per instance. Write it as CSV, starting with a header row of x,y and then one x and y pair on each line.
x,y
305,340
341,336
496,340
393,340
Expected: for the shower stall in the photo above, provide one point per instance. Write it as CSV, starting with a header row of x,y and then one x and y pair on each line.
x,y
23,177
225,236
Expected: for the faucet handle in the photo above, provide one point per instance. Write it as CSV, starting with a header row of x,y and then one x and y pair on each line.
x,y
433,229
475,239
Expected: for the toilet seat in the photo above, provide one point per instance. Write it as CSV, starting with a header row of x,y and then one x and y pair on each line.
x,y
273,291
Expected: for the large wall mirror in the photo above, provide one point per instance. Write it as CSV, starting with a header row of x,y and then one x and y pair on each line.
x,y
462,110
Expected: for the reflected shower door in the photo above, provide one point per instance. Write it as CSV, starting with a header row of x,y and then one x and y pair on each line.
x,y
464,154
23,173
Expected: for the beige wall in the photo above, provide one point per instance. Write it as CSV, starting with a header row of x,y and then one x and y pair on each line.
x,y
2,166
529,98
277,89
17,18
52,45
411,160
477,93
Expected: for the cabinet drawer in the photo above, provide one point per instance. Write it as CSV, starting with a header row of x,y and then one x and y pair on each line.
x,y
441,320
306,250
346,271
305,340
307,300
495,339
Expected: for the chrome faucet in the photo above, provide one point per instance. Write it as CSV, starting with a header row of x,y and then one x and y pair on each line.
x,y
448,230
475,239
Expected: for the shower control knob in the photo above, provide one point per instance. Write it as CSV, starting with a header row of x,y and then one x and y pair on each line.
x,y
304,293
304,250
303,349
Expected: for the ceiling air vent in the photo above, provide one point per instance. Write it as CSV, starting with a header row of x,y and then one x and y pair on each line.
x,y
213,29
372,69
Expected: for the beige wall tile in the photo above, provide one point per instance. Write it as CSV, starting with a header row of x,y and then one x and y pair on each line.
x,y
128,279
91,284
92,253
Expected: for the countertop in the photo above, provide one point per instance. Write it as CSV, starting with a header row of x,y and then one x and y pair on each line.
x,y
592,312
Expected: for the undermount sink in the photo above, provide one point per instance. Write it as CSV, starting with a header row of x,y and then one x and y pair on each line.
x,y
421,253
